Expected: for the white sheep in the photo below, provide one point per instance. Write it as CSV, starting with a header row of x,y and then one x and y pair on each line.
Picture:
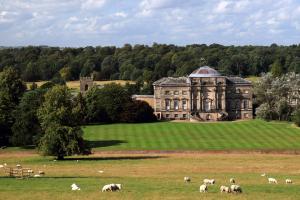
x,y
203,188
111,187
1,166
37,176
288,181
264,174
75,187
209,181
232,180
236,189
187,179
18,166
225,189
272,180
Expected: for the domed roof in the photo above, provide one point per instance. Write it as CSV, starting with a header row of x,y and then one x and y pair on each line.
x,y
205,71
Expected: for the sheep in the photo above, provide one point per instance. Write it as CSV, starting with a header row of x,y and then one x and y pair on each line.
x,y
225,189
264,174
232,180
75,187
187,179
41,172
111,187
36,176
209,181
272,180
203,188
1,166
18,166
288,181
236,189
100,171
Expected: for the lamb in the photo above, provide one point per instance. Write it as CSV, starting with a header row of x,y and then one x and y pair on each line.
x,y
225,189
75,187
232,180
272,180
209,181
288,181
203,188
187,179
111,187
236,188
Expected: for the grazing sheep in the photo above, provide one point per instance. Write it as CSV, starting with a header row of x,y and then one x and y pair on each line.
x,y
100,171
236,189
203,188
288,181
1,166
41,172
225,189
18,166
30,171
75,187
209,181
272,180
232,180
264,174
187,179
36,176
111,187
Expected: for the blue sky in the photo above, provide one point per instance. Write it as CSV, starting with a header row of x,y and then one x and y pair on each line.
x,y
116,22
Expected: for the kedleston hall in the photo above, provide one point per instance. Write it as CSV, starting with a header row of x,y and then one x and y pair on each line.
x,y
205,95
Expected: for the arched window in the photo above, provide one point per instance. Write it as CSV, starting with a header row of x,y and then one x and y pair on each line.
x,y
245,104
86,87
184,104
176,104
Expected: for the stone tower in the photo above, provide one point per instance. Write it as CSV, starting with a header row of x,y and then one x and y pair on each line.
x,y
86,83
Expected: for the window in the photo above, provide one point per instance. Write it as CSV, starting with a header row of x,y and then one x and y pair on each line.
x,y
246,91
176,104
237,91
167,104
207,105
167,115
245,104
184,104
184,116
167,92
176,92
184,92
246,115
86,87
176,115
208,117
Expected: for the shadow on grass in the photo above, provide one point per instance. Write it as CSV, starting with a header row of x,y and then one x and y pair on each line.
x,y
114,158
105,143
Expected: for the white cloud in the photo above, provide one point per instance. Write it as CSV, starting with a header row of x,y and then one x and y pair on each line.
x,y
222,6
121,14
92,4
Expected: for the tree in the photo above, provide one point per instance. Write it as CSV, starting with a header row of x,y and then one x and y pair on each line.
x,y
276,69
61,141
11,90
58,118
26,129
296,117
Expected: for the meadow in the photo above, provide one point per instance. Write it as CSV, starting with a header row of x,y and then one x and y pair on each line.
x,y
152,176
238,135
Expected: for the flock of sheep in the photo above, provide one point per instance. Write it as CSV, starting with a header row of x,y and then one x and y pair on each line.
x,y
229,189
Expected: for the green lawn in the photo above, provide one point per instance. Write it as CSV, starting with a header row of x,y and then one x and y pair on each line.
x,y
242,135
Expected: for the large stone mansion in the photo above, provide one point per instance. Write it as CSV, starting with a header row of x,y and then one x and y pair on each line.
x,y
205,95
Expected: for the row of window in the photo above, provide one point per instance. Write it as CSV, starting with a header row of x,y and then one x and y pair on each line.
x,y
176,104
237,104
170,116
176,92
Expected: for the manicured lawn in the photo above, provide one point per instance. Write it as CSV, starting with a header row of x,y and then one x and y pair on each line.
x,y
242,135
152,177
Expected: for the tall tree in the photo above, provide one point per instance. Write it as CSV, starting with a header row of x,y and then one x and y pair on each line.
x,y
11,90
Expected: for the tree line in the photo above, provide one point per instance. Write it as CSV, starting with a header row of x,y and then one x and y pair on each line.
x,y
147,63
50,117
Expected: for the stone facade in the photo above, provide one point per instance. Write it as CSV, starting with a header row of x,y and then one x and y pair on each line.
x,y
204,95
86,83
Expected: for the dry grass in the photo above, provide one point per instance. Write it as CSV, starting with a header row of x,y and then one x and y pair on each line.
x,y
76,84
153,176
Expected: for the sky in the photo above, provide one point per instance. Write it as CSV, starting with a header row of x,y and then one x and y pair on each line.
x,y
75,23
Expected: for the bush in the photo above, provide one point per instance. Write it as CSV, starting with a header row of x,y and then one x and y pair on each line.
x,y
296,117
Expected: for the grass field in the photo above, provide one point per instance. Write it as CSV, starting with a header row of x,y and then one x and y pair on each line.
x,y
242,135
75,85
152,176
